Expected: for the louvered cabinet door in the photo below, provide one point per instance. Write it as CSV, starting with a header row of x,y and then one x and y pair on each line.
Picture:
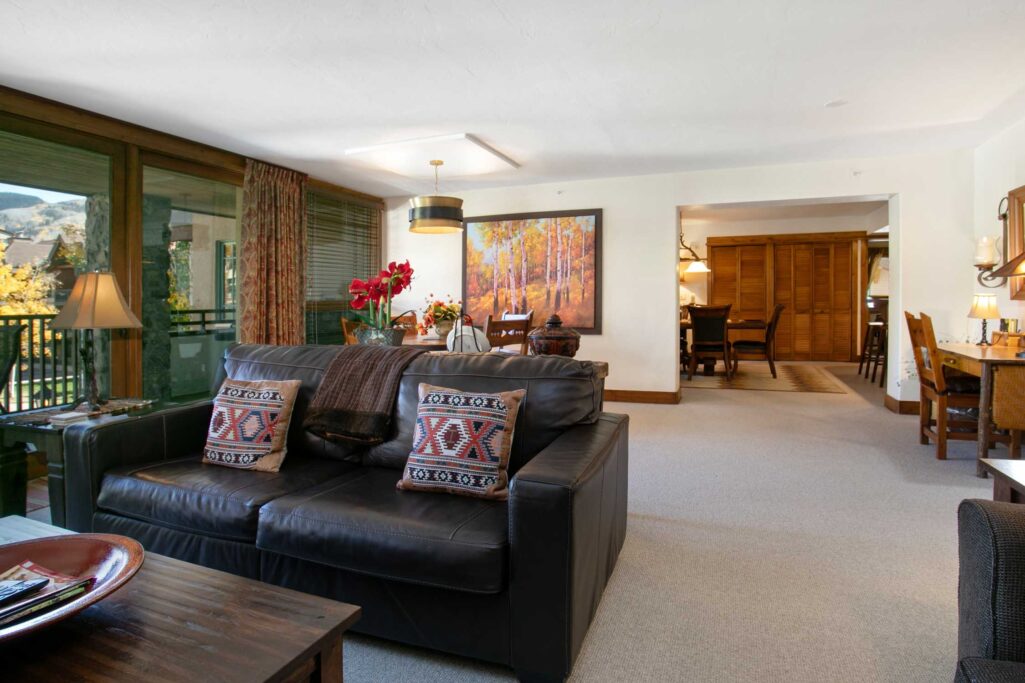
x,y
752,289
822,302
803,305
844,302
783,289
723,262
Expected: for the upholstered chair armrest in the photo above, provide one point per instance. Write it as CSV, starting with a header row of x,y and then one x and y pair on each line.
x,y
567,523
991,585
92,448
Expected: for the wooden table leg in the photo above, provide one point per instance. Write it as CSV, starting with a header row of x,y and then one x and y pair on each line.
x,y
985,417
329,669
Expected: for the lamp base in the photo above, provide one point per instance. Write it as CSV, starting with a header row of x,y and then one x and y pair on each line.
x,y
983,343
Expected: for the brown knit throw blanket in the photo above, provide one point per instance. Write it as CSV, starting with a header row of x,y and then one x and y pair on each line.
x,y
353,403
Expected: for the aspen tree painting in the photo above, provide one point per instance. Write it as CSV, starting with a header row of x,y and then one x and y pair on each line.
x,y
546,262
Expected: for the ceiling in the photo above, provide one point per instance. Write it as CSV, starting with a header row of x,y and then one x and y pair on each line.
x,y
572,89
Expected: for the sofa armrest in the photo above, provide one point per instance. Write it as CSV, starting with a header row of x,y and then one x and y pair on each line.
x,y
567,523
975,670
991,583
92,448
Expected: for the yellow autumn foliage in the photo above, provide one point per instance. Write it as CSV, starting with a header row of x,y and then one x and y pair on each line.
x,y
25,290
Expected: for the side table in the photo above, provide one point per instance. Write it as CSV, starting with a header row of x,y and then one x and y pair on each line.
x,y
19,431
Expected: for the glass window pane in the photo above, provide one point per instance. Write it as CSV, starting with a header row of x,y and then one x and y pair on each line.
x,y
189,232
54,225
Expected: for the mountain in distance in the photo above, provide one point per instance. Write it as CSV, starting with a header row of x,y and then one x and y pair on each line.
x,y
27,216
16,200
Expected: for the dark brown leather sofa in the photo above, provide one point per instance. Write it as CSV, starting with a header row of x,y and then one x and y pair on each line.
x,y
516,582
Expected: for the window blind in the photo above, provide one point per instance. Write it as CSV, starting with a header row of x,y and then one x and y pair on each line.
x,y
343,242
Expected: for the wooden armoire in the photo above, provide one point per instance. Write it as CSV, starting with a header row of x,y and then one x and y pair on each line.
x,y
819,277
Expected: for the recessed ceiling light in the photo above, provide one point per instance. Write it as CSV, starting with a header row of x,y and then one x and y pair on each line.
x,y
464,155
833,104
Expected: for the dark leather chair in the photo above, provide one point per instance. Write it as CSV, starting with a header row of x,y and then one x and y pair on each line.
x,y
990,592
760,349
710,336
514,582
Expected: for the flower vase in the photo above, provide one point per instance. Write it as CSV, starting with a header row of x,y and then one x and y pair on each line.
x,y
443,327
376,337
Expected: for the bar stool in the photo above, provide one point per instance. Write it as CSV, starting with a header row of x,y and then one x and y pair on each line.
x,y
874,341
880,357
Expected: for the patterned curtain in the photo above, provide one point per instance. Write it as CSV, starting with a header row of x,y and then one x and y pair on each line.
x,y
272,265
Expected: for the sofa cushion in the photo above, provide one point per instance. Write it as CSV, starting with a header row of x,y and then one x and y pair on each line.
x,y
249,424
192,496
304,363
561,392
364,524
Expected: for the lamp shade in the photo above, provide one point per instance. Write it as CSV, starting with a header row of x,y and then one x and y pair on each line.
x,y
984,306
95,303
697,267
434,214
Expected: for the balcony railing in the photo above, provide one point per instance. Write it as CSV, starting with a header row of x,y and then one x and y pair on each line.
x,y
197,321
46,367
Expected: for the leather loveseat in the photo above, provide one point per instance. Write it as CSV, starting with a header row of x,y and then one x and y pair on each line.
x,y
514,582
990,592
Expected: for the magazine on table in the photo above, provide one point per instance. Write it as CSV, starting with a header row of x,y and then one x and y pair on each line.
x,y
28,588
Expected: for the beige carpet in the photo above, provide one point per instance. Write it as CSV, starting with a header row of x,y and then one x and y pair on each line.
x,y
757,376
795,537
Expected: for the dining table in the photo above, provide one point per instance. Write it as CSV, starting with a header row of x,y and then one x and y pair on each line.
x,y
430,343
731,324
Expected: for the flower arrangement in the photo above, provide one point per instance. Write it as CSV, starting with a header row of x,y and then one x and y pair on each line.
x,y
439,314
375,295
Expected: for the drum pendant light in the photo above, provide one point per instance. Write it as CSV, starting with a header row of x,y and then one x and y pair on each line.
x,y
434,214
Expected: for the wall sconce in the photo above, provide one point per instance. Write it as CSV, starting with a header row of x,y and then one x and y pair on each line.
x,y
987,258
697,264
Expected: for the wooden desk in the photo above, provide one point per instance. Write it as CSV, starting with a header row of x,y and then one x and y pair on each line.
x,y
979,361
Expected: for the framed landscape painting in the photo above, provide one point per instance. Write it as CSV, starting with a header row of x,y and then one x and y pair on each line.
x,y
548,262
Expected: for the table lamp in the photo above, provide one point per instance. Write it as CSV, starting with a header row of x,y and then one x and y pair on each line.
x,y
984,307
95,303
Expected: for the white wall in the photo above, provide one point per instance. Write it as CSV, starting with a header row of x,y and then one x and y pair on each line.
x,y
999,168
931,209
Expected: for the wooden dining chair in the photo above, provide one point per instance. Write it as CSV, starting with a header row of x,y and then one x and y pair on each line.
x,y
349,328
946,388
502,333
760,349
1009,403
509,315
709,336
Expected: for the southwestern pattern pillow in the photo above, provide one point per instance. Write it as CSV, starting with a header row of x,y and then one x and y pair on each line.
x,y
250,423
461,442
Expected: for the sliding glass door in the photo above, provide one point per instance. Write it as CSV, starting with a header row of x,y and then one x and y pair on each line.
x,y
189,243
55,223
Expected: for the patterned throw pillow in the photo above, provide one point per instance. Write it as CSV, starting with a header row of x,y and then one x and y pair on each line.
x,y
461,442
250,423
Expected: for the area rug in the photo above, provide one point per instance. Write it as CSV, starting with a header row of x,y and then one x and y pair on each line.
x,y
756,376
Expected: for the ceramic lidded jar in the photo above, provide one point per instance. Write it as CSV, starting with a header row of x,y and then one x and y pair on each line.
x,y
552,339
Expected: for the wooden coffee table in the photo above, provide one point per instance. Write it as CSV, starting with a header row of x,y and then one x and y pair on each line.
x,y
1008,479
177,621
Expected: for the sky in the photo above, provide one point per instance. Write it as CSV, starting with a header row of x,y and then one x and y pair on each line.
x,y
45,195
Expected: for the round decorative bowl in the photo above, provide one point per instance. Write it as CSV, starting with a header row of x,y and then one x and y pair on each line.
x,y
109,560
